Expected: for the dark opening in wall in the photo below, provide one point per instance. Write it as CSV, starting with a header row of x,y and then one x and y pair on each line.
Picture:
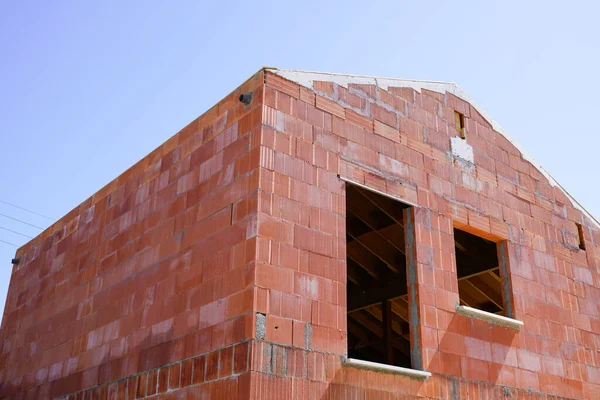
x,y
459,120
378,303
480,282
580,237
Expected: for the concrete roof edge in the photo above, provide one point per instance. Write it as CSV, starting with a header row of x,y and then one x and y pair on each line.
x,y
306,79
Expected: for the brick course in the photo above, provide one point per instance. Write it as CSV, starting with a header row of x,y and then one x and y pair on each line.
x,y
157,284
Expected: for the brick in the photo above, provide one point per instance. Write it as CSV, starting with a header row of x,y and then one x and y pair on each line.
x,y
330,106
240,358
152,383
387,132
478,222
186,373
141,386
382,114
498,228
283,85
351,99
226,362
369,90
279,330
360,120
323,86
163,380
212,366
390,99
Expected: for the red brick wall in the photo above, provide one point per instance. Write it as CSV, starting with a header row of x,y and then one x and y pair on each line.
x,y
397,141
155,268
216,266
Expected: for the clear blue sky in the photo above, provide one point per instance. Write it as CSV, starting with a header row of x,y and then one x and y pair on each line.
x,y
89,88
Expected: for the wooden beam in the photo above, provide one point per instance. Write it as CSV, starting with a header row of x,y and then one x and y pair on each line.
x,y
378,234
377,329
377,312
357,273
387,289
358,331
376,223
368,246
488,291
388,333
400,308
383,250
467,266
459,246
377,344
363,259
495,273
395,234
464,293
391,207
479,273
367,322
477,252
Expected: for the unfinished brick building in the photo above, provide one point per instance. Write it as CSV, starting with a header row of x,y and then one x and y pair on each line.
x,y
315,236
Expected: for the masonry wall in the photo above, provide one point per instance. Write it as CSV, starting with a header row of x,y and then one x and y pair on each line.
x,y
397,141
146,287
216,266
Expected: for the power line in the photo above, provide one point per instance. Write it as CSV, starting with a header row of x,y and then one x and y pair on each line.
x,y
24,209
12,244
18,233
23,222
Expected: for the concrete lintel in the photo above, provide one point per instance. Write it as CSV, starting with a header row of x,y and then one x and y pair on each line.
x,y
489,317
389,196
373,366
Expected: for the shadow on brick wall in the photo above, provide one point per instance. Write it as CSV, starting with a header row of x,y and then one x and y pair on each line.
x,y
474,349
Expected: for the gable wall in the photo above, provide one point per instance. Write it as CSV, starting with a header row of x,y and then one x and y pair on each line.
x,y
397,141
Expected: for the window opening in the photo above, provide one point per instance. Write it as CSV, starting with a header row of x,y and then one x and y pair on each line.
x,y
378,304
459,120
480,281
580,238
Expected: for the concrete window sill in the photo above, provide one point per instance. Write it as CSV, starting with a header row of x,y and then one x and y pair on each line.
x,y
412,373
489,317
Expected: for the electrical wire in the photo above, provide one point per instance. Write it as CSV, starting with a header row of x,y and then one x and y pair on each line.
x,y
23,222
18,233
12,244
29,211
